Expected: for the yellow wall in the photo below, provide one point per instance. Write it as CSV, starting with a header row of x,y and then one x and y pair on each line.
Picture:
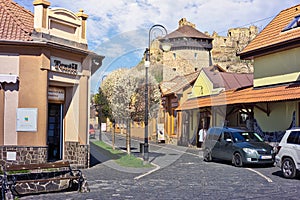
x,y
280,117
281,67
203,87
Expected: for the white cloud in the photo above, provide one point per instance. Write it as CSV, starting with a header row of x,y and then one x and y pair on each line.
x,y
116,27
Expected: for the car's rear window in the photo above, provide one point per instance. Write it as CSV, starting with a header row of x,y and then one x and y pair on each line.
x,y
294,137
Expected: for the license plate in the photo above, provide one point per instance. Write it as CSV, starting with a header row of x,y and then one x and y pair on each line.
x,y
266,157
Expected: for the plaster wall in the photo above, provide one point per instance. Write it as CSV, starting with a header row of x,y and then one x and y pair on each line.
x,y
277,68
280,117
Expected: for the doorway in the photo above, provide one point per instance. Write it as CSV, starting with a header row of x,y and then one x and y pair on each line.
x,y
55,131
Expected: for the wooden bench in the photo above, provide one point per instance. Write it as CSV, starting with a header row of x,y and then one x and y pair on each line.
x,y
40,178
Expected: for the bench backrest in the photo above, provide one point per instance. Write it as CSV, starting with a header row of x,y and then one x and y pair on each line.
x,y
60,164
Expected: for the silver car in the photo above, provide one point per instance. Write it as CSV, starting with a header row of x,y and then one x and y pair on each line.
x,y
288,153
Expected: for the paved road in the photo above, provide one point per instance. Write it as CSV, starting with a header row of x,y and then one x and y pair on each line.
x,y
182,175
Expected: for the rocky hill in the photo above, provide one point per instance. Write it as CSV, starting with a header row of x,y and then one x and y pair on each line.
x,y
225,49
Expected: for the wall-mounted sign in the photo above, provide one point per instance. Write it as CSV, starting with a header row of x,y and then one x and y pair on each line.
x,y
161,132
27,119
56,94
174,102
11,155
65,65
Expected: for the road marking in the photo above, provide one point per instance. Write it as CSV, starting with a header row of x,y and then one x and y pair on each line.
x,y
260,174
157,167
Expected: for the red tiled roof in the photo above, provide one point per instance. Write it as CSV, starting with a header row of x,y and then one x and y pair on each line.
x,y
187,31
176,84
272,34
244,96
16,23
229,80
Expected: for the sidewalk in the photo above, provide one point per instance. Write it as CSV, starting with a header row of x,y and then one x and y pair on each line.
x,y
160,155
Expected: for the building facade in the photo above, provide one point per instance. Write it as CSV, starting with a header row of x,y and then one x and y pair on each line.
x,y
45,79
272,104
275,52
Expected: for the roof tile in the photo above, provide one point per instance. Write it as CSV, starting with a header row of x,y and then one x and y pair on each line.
x,y
248,95
16,23
176,84
189,32
272,34
229,80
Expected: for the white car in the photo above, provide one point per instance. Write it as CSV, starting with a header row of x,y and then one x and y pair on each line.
x,y
288,153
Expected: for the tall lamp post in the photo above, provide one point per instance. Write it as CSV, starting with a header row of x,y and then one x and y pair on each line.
x,y
166,47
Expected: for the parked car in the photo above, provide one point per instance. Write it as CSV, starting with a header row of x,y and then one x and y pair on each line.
x,y
92,132
288,153
237,145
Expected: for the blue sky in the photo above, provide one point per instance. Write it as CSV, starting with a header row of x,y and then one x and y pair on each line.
x,y
118,29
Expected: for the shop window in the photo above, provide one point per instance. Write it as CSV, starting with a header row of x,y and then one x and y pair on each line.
x,y
295,23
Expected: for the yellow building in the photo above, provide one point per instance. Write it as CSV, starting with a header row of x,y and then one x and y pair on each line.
x,y
45,75
201,111
272,105
276,54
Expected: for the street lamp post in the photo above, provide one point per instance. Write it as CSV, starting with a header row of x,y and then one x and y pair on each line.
x,y
166,47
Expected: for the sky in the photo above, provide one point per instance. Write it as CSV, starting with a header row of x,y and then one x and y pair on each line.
x,y
118,29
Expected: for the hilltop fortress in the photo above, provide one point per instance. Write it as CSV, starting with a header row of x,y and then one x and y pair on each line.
x,y
192,50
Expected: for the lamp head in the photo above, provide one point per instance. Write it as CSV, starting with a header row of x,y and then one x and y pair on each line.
x,y
166,46
147,58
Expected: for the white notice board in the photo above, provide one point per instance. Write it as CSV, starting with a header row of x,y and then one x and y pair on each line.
x,y
27,119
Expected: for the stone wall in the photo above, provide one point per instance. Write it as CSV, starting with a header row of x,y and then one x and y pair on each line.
x,y
77,154
226,48
24,154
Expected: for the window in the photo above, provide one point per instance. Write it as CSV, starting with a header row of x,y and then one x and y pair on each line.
x,y
294,137
294,24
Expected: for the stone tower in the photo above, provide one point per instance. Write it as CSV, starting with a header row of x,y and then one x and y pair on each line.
x,y
190,51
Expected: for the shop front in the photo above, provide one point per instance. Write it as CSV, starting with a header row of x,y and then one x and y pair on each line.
x,y
45,83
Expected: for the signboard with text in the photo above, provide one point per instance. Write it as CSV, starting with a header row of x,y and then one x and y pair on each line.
x,y
27,119
56,94
65,65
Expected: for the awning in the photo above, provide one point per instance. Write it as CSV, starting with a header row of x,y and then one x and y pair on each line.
x,y
245,96
8,78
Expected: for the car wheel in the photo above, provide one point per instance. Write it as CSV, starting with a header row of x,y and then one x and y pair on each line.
x,y
288,168
207,155
237,160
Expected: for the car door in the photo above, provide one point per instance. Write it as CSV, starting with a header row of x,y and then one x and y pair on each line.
x,y
226,149
216,151
293,143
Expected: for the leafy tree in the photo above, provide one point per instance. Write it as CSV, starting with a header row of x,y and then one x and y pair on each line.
x,y
125,92
101,100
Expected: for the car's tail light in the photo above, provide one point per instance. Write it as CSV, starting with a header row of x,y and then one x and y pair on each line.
x,y
277,149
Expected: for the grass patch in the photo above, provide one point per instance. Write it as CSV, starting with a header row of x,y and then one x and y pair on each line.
x,y
121,158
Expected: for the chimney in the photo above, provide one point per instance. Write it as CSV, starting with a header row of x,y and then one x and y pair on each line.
x,y
40,14
83,18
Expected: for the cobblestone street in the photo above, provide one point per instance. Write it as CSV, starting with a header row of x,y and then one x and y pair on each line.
x,y
182,175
